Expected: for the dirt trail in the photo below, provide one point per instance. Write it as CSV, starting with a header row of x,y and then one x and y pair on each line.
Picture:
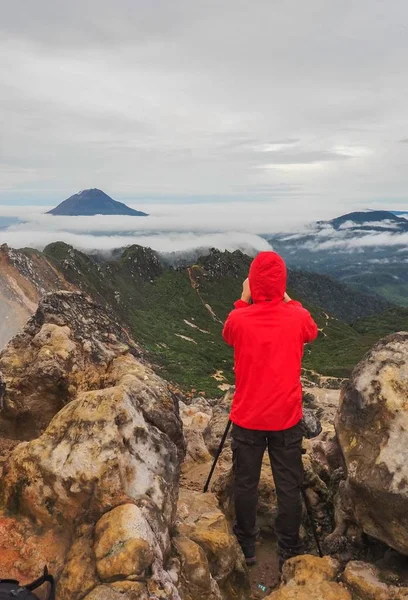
x,y
196,288
264,576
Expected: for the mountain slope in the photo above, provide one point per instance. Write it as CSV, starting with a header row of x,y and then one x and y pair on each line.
x,y
338,299
24,276
93,202
177,314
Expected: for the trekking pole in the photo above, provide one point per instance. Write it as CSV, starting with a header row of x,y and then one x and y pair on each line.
x,y
217,456
312,521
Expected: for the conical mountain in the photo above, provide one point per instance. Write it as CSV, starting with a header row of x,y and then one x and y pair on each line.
x,y
93,202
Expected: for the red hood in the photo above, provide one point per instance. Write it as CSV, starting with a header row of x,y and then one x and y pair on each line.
x,y
267,277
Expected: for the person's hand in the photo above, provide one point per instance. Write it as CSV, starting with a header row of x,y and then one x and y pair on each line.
x,y
287,298
246,291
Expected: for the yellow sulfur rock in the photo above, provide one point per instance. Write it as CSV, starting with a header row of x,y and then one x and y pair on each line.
x,y
311,578
123,543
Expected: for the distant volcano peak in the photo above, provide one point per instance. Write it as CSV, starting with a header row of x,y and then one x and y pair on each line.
x,y
93,202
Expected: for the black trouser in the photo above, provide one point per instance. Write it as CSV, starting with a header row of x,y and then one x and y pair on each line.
x,y
285,453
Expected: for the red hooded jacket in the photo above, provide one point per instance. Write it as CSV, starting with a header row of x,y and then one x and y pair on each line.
x,y
268,337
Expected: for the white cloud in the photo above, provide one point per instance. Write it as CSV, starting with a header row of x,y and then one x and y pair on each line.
x,y
171,228
181,227
385,223
165,242
247,217
354,243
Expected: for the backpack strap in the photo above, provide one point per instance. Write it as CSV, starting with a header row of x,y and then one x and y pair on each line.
x,y
45,578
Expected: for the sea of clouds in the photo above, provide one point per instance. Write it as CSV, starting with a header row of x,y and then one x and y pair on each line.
x,y
175,228
168,228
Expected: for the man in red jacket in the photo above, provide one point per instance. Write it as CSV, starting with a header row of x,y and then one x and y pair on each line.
x,y
268,337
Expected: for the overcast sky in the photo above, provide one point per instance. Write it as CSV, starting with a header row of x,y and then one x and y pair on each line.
x,y
299,104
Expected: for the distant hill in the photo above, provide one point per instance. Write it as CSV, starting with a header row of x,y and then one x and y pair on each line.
x,y
374,220
366,250
93,202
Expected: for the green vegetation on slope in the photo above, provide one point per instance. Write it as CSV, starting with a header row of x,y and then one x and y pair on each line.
x,y
395,319
177,314
338,299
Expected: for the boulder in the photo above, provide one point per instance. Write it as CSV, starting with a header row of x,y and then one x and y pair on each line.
x,y
124,543
311,423
372,429
201,521
98,452
325,455
196,581
311,578
215,429
366,582
195,418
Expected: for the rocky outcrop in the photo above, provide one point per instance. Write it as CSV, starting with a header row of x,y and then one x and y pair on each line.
x,y
202,524
67,347
372,428
367,582
99,487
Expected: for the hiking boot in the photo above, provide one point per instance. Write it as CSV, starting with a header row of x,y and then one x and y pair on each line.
x,y
249,554
247,545
250,561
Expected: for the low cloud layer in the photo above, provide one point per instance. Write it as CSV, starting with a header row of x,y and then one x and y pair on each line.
x,y
180,228
170,228
368,240
352,237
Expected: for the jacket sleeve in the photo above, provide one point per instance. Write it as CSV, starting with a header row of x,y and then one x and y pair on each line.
x,y
228,331
310,330
309,327
241,304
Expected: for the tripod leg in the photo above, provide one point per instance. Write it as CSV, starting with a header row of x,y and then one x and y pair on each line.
x,y
312,521
221,446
